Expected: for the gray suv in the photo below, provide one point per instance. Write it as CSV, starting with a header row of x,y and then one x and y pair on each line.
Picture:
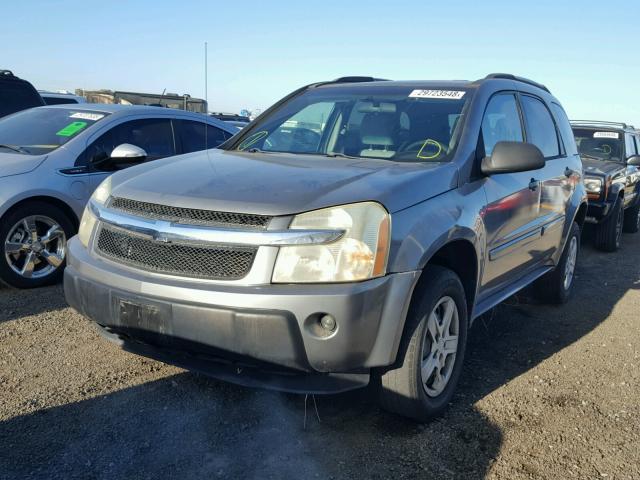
x,y
350,235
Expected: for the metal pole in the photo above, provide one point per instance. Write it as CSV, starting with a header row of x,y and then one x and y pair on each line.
x,y
206,94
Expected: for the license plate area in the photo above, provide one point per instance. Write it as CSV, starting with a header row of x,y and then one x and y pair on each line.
x,y
143,316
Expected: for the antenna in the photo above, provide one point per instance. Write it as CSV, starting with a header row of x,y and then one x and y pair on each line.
x,y
206,96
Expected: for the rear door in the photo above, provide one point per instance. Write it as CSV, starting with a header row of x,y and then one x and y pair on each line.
x,y
632,172
513,200
557,177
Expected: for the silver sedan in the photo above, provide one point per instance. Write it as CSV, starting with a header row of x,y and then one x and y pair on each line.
x,y
51,160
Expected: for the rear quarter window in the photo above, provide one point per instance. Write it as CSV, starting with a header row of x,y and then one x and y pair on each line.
x,y
566,132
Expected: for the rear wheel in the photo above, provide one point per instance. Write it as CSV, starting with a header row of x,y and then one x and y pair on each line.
x,y
609,233
431,351
555,287
632,219
33,245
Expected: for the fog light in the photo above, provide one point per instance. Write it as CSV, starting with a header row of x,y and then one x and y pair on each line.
x,y
328,323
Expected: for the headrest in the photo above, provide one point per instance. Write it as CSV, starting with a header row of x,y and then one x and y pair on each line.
x,y
377,129
369,107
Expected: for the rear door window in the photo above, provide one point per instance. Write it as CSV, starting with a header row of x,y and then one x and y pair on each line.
x,y
501,122
541,130
630,145
193,136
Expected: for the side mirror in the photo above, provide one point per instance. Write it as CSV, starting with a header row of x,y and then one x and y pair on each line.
x,y
512,157
126,152
634,160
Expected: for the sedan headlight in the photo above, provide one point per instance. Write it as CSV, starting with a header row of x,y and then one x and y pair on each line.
x,y
361,253
100,196
593,185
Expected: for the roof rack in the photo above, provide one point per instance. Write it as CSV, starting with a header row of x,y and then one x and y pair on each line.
x,y
601,123
508,76
358,79
6,72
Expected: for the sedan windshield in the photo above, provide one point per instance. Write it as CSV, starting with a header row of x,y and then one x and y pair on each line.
x,y
399,123
601,145
41,130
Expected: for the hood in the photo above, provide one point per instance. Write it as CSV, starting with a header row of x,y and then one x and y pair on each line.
x,y
17,163
280,184
600,167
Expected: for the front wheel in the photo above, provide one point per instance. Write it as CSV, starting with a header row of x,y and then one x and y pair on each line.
x,y
556,286
609,233
431,351
33,245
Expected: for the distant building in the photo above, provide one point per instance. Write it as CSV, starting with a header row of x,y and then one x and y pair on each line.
x,y
169,100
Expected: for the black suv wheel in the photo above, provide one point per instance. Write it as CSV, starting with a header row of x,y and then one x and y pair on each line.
x,y
432,350
632,219
609,233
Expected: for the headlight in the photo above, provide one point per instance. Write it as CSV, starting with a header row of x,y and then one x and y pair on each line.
x,y
102,193
593,185
361,253
100,196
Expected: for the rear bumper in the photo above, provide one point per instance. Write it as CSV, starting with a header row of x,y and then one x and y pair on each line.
x,y
264,331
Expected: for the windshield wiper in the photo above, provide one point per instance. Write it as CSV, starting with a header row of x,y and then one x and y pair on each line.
x,y
593,157
339,155
14,148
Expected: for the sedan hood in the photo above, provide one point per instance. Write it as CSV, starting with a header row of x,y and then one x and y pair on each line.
x,y
17,163
600,167
280,184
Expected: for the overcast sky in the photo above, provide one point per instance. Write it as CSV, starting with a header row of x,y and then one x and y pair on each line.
x,y
259,51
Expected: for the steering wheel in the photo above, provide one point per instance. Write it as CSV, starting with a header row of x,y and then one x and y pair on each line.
x,y
306,136
423,148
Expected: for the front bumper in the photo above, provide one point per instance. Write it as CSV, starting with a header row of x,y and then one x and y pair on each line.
x,y
263,333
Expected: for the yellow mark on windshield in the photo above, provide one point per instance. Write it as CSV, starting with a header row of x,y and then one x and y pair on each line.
x,y
252,140
428,141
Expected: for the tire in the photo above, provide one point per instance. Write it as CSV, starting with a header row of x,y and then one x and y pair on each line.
x,y
401,390
46,252
608,235
556,286
631,220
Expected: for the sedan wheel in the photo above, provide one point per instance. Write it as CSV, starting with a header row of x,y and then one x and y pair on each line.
x,y
35,247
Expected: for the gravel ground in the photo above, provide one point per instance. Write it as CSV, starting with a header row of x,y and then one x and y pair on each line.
x,y
547,392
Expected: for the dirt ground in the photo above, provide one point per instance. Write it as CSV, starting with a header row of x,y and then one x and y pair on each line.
x,y
548,392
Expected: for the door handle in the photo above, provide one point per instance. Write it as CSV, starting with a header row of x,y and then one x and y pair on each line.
x,y
533,184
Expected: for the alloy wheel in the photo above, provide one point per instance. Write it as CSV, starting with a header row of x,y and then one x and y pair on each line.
x,y
439,346
35,246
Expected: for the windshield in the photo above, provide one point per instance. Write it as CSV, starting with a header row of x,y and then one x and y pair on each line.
x,y
599,144
387,122
41,130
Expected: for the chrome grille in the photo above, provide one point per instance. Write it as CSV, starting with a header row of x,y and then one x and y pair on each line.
x,y
189,215
211,262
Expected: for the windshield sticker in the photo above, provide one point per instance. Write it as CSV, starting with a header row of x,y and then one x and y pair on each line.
x,y
445,94
94,117
71,129
606,135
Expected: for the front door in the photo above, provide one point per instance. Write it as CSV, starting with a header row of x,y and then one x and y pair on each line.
x,y
513,201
